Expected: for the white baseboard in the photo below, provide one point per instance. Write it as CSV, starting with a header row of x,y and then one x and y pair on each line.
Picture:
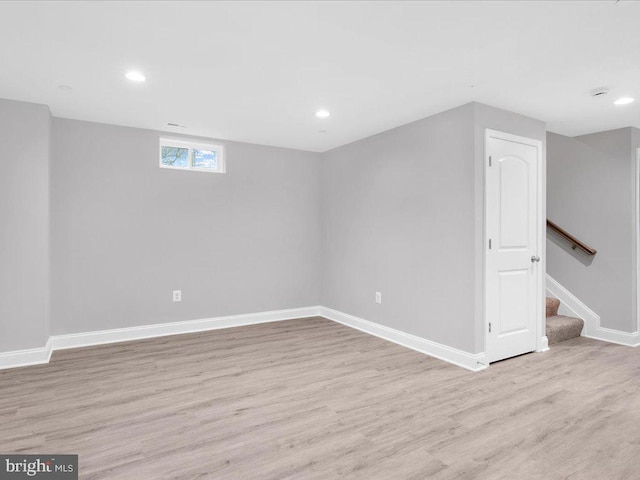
x,y
470,361
37,356
615,336
25,358
75,340
544,345
572,305
592,327
473,362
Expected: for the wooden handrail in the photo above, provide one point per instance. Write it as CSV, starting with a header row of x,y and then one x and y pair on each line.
x,y
575,243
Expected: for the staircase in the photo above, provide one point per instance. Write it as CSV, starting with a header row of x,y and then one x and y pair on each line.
x,y
559,327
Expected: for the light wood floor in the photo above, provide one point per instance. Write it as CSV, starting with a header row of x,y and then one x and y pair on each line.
x,y
311,399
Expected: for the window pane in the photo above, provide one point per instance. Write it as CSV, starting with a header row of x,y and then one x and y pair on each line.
x,y
205,159
175,157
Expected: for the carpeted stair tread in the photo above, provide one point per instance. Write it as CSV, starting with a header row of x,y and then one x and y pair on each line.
x,y
561,328
552,307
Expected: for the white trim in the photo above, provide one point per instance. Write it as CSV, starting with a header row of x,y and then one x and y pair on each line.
x,y
592,327
36,356
24,358
470,361
575,307
615,336
101,337
542,343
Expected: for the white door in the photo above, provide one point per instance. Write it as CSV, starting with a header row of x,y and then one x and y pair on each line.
x,y
512,261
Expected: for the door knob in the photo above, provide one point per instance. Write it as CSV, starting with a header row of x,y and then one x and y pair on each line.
x,y
535,258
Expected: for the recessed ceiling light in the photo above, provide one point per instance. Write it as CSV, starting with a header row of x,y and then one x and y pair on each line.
x,y
322,114
135,76
623,101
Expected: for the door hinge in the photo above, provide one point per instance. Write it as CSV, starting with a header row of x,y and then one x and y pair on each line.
x,y
489,244
489,327
489,160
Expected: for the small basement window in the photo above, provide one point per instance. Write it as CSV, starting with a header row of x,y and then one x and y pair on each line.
x,y
197,157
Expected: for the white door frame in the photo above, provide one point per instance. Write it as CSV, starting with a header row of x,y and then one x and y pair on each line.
x,y
542,343
636,216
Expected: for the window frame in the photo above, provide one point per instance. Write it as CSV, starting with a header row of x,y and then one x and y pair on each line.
x,y
191,146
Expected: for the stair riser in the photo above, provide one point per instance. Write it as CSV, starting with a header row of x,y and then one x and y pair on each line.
x,y
552,307
560,328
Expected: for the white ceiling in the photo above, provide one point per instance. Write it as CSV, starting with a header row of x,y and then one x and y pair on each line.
x,y
257,72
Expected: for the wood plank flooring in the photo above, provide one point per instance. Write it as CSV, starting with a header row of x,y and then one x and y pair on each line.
x,y
312,399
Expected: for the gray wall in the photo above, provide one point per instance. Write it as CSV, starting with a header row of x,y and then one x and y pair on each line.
x,y
591,195
398,217
125,233
400,212
403,213
24,220
635,141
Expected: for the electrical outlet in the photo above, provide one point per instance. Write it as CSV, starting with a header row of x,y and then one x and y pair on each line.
x,y
177,295
378,297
